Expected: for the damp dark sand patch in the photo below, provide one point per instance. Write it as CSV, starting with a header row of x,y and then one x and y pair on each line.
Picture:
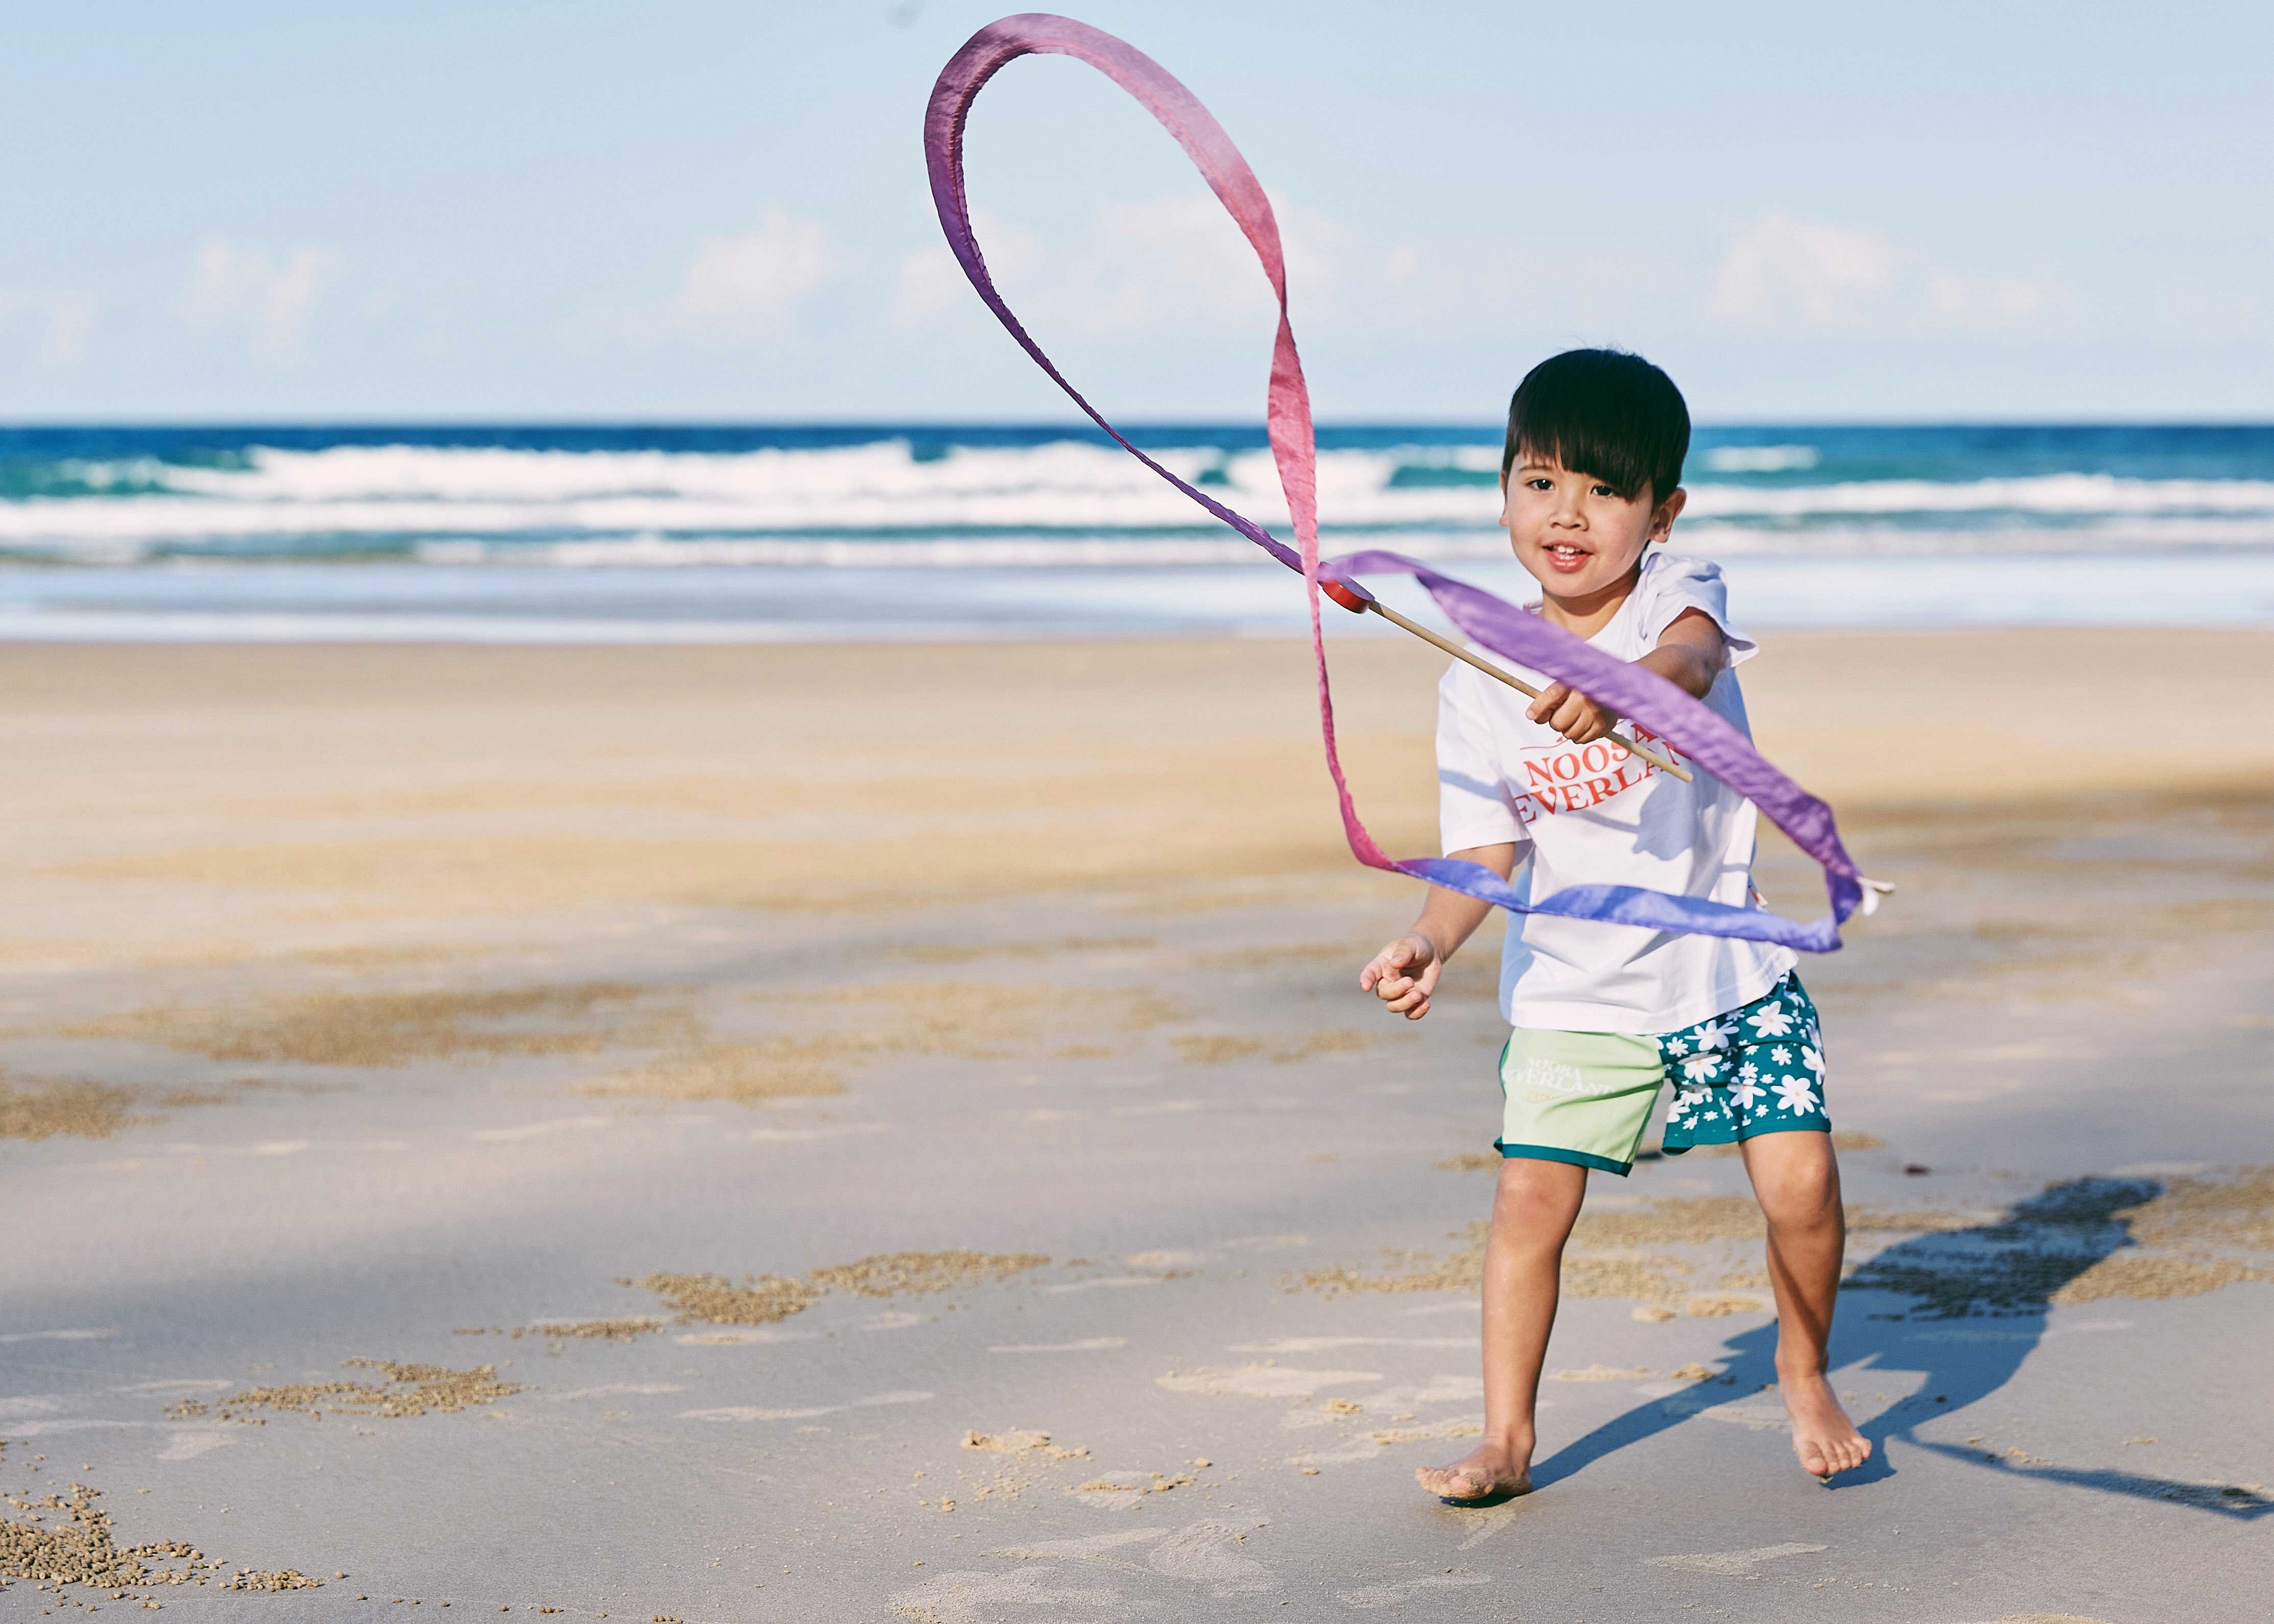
x,y
994,1020
1677,1221
394,1029
39,1109
973,952
586,1330
961,1020
2088,1240
763,1299
1607,1258
1214,1049
1586,1274
407,1390
743,1072
1473,1161
2234,1211
82,1548
185,1099
892,1273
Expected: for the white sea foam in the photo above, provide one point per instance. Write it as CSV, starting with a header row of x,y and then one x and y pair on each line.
x,y
2044,493
1760,459
1062,503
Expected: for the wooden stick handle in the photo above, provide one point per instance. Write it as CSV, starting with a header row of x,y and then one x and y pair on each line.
x,y
1654,757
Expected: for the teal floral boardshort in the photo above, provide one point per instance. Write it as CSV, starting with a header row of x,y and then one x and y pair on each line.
x,y
1758,1069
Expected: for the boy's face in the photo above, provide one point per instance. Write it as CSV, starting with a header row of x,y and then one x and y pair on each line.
x,y
1573,532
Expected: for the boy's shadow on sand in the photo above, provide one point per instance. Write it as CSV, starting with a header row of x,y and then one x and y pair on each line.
x,y
1981,1299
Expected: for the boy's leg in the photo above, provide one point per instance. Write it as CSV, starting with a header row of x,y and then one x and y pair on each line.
x,y
1797,1179
1532,1212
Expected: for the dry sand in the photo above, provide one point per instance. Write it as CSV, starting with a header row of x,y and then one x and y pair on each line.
x,y
367,998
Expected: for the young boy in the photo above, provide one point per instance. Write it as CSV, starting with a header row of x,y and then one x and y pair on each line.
x,y
1602,1014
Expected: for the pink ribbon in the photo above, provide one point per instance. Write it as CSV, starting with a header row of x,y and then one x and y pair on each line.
x,y
1515,634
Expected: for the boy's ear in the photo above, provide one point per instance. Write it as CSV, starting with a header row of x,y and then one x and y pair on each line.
x,y
1662,522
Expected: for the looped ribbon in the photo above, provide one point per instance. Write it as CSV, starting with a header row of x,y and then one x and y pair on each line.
x,y
1515,634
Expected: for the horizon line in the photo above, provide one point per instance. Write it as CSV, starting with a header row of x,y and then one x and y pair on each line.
x,y
1074,425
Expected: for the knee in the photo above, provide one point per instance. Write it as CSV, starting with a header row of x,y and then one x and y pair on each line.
x,y
1536,1202
1800,1198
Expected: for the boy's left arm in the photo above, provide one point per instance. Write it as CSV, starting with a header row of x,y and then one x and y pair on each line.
x,y
1690,654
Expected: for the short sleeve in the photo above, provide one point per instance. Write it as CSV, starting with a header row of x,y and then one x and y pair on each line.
x,y
1673,586
1472,807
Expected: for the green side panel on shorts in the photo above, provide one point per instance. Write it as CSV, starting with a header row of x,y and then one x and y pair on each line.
x,y
1584,1094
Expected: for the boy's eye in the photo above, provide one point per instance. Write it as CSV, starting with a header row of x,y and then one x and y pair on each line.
x,y
1540,482
1599,489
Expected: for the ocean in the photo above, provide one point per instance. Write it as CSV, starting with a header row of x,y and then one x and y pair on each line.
x,y
639,533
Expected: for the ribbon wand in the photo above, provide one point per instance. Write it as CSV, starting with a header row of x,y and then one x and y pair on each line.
x,y
1356,604
1702,736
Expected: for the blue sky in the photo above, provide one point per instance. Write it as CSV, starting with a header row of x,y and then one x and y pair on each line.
x,y
712,211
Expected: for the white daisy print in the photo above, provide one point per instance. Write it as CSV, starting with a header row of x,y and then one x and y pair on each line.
x,y
1749,1073
1685,1100
1745,1090
1676,1046
1814,1061
1716,1035
1794,1095
1781,1055
1770,1021
1702,1068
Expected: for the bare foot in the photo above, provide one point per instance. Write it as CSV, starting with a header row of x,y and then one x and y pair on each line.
x,y
1823,1437
1490,1472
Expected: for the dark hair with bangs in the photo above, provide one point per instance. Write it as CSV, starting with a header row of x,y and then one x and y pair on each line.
x,y
1603,412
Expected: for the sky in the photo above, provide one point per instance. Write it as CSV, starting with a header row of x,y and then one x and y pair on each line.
x,y
682,210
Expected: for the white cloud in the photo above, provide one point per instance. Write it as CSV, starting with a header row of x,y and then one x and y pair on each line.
x,y
927,283
1781,271
272,297
61,319
1779,268
1177,265
1997,303
750,284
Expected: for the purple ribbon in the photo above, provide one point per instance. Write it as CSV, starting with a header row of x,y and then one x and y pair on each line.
x,y
1515,634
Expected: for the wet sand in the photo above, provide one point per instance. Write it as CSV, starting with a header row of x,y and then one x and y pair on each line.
x,y
890,1132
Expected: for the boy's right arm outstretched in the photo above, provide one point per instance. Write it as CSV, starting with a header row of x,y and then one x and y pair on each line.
x,y
1405,974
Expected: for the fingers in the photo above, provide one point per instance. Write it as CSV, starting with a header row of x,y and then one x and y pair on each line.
x,y
1403,976
1581,720
1390,963
1572,714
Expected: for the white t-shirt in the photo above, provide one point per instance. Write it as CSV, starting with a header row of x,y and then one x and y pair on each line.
x,y
1593,814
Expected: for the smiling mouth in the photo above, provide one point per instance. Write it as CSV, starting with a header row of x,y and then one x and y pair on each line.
x,y
1562,555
